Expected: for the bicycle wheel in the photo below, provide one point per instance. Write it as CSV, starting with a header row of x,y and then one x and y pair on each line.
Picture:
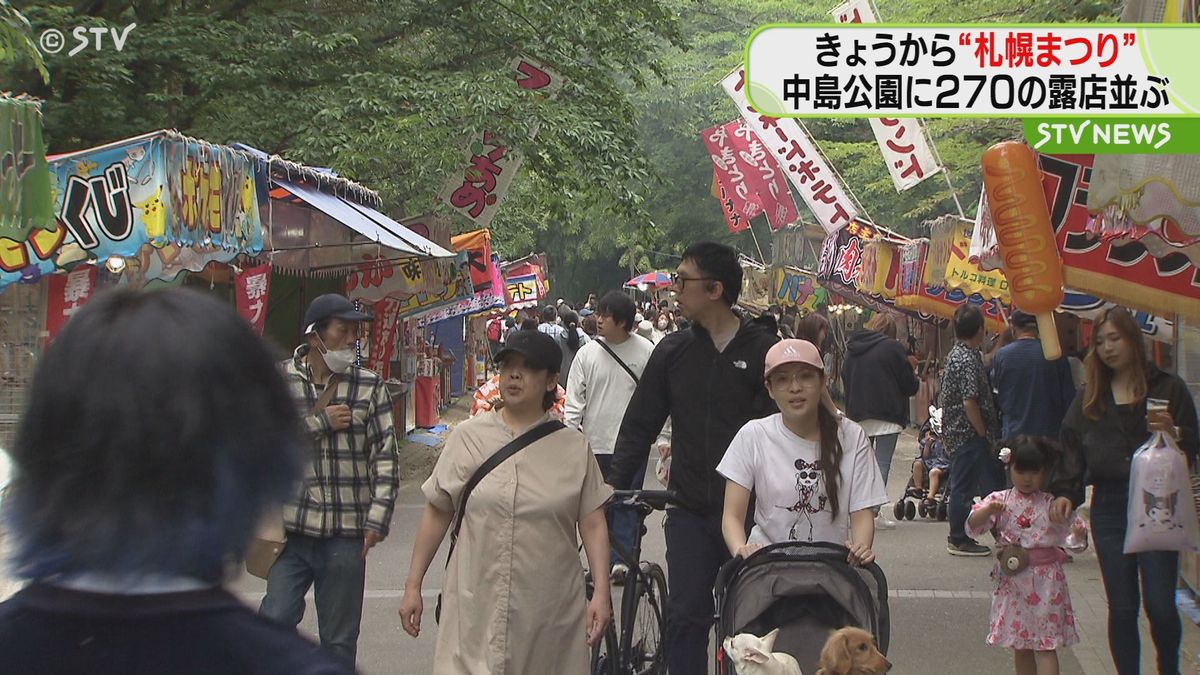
x,y
604,655
648,654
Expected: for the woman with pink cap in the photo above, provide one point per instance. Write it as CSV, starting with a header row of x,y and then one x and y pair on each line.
x,y
813,472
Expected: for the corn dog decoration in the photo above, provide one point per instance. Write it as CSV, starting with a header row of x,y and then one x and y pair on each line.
x,y
1013,183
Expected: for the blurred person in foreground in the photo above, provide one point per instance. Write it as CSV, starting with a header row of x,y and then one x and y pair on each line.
x,y
158,433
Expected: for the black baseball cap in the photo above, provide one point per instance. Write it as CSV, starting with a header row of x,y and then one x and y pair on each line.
x,y
540,350
331,306
1023,320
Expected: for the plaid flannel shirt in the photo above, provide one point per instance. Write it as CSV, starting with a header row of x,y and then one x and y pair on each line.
x,y
351,480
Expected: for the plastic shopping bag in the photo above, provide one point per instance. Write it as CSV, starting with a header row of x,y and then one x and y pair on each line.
x,y
1162,514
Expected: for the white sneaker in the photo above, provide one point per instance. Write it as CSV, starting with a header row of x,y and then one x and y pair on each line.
x,y
883,522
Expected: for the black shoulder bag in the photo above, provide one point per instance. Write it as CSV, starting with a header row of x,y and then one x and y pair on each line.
x,y
502,455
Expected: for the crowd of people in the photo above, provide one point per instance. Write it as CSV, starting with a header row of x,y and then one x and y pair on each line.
x,y
138,508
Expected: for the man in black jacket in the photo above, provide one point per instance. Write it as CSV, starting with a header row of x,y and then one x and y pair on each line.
x,y
709,381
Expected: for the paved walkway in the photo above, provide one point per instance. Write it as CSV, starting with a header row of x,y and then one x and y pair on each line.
x,y
939,603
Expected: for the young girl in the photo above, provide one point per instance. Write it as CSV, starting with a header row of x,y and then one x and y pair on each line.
x,y
814,473
1031,608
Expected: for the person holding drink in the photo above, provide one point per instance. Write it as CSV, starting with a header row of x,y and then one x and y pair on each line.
x,y
1126,399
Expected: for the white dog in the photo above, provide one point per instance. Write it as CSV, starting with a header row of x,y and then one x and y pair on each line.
x,y
753,656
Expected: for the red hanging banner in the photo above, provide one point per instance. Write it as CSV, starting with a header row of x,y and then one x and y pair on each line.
x,y
730,172
734,220
764,176
66,294
383,335
252,286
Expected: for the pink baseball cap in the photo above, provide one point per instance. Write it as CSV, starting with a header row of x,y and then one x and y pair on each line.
x,y
793,351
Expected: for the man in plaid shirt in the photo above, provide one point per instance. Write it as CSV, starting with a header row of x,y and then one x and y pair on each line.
x,y
345,504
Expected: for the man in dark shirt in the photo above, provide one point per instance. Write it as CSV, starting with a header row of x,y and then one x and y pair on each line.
x,y
1034,393
969,426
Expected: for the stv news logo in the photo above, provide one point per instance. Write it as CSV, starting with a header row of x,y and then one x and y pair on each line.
x,y
52,40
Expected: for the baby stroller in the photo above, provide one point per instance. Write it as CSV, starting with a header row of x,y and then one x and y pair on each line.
x,y
806,590
932,456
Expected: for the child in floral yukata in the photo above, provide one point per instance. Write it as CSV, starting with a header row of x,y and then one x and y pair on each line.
x,y
1031,607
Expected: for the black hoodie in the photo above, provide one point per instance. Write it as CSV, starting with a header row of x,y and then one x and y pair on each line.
x,y
878,378
709,396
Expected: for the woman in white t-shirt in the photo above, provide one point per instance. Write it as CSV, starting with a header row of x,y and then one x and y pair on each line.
x,y
814,475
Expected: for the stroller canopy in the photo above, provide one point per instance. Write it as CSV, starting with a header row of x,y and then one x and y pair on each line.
x,y
805,590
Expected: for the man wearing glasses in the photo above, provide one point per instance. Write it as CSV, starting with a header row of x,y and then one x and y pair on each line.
x,y
709,380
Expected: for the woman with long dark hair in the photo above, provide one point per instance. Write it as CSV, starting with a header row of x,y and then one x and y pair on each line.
x,y
1106,423
816,465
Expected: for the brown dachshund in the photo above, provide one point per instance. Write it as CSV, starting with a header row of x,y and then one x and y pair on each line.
x,y
851,651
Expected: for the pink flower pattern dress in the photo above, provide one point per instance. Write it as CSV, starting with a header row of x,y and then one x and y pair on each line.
x,y
1031,610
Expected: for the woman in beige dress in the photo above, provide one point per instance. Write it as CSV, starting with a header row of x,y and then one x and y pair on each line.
x,y
513,600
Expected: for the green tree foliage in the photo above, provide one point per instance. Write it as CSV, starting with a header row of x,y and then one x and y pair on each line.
x,y
387,92
16,44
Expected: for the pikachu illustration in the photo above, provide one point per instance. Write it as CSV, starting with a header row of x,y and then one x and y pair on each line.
x,y
154,215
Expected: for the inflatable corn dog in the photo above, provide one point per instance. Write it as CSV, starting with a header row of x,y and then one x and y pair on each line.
x,y
1014,190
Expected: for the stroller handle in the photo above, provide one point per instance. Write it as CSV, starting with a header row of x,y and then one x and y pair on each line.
x,y
655,499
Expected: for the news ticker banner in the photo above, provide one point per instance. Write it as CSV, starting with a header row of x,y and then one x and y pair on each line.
x,y
978,70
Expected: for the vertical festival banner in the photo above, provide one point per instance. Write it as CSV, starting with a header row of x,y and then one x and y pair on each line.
x,y
66,294
795,152
729,171
251,288
734,221
906,150
477,192
383,335
764,177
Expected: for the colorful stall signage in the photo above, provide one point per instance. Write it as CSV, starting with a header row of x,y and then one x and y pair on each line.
x,y
478,247
841,263
525,281
418,287
251,287
964,275
922,291
1123,272
155,190
67,294
25,198
794,287
1092,308
802,163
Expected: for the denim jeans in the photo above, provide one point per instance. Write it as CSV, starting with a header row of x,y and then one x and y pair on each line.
x,y
621,521
972,473
337,571
1158,571
695,552
885,447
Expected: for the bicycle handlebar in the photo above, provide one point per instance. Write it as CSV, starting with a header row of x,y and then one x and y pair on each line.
x,y
655,499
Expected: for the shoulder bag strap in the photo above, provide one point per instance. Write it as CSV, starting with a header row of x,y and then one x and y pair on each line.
x,y
618,360
327,394
503,454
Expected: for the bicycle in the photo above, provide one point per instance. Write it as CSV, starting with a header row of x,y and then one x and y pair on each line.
x,y
638,649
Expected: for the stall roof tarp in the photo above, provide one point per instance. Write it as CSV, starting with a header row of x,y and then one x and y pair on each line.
x,y
367,222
